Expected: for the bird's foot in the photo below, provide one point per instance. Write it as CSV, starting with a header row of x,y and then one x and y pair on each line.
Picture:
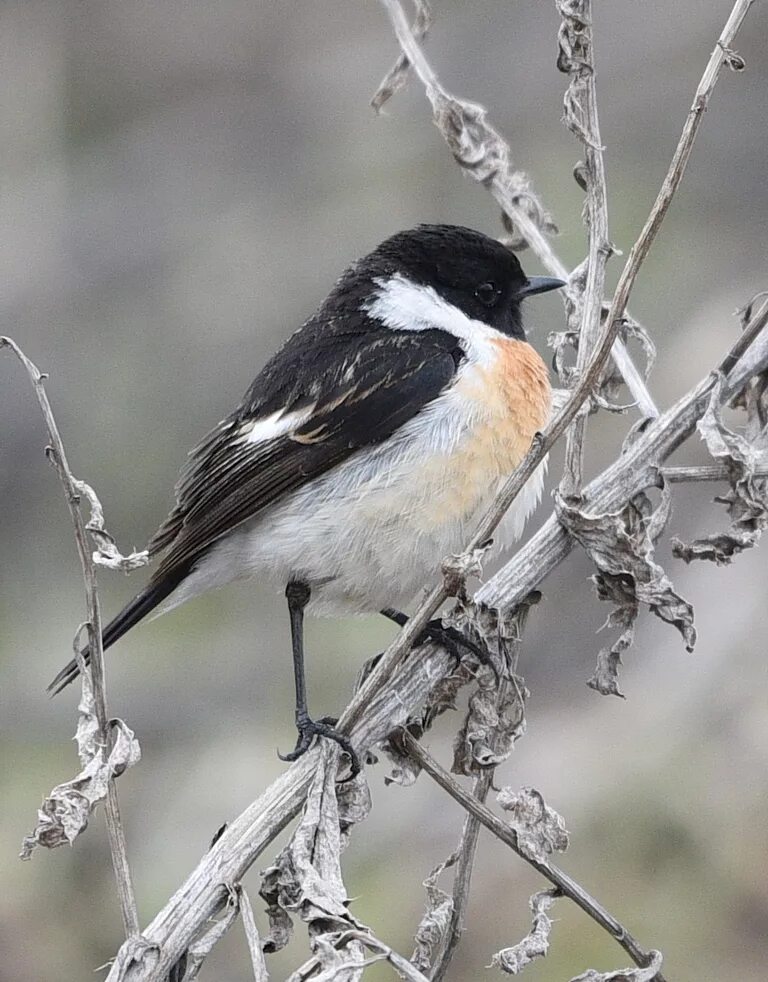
x,y
453,640
326,727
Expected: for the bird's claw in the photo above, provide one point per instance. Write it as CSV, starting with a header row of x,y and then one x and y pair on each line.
x,y
452,639
326,727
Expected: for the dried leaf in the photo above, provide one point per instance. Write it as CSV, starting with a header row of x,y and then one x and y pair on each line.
x,y
606,677
442,698
436,919
625,974
456,569
306,877
64,814
495,717
573,40
397,77
540,830
747,498
621,544
536,943
107,553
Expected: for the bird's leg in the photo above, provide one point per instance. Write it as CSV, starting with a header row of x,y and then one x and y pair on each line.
x,y
448,637
297,595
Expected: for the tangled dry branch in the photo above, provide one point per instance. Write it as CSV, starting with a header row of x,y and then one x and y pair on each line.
x,y
613,518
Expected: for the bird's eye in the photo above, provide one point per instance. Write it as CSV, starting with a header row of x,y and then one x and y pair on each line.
x,y
487,294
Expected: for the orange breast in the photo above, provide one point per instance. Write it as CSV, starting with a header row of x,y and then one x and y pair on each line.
x,y
512,398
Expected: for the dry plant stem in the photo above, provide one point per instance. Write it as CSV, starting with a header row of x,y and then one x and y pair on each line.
x,y
57,455
637,468
502,193
462,878
702,472
568,887
585,98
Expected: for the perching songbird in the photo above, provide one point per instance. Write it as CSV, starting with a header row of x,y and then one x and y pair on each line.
x,y
366,449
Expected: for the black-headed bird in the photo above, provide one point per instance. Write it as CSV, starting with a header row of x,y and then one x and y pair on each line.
x,y
368,448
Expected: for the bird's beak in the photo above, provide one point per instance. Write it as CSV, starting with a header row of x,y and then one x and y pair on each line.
x,y
539,284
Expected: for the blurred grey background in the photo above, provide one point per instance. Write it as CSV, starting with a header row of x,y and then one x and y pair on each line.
x,y
181,182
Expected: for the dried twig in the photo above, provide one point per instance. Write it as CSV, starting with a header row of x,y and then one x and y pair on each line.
x,y
580,115
57,455
568,887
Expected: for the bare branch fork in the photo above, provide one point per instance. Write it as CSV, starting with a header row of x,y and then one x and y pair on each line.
x,y
404,692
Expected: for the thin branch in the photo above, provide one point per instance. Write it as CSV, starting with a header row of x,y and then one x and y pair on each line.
x,y
483,154
57,455
462,878
702,472
578,58
568,887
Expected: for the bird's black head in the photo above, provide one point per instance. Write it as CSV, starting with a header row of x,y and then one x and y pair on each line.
x,y
469,270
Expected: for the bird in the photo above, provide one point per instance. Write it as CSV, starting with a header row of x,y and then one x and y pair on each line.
x,y
366,449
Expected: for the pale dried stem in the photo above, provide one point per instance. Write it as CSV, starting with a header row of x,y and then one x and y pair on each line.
x,y
57,455
506,834
585,103
462,878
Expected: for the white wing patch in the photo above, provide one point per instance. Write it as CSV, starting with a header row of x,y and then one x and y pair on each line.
x,y
271,427
403,305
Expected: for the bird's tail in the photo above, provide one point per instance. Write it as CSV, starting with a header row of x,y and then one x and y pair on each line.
x,y
130,615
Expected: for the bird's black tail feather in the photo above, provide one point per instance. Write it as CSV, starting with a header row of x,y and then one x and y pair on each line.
x,y
130,615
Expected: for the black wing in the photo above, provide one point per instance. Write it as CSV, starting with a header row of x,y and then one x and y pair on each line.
x,y
365,392
357,389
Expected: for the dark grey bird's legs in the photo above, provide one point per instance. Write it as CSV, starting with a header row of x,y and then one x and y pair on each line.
x,y
297,595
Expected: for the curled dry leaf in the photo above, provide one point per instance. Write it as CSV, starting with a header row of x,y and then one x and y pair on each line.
x,y
397,77
64,814
540,830
405,769
456,569
625,974
536,943
747,497
495,718
606,676
107,553
306,877
436,919
565,345
573,39
621,544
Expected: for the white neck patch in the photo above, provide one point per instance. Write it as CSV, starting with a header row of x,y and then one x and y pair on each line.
x,y
403,305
